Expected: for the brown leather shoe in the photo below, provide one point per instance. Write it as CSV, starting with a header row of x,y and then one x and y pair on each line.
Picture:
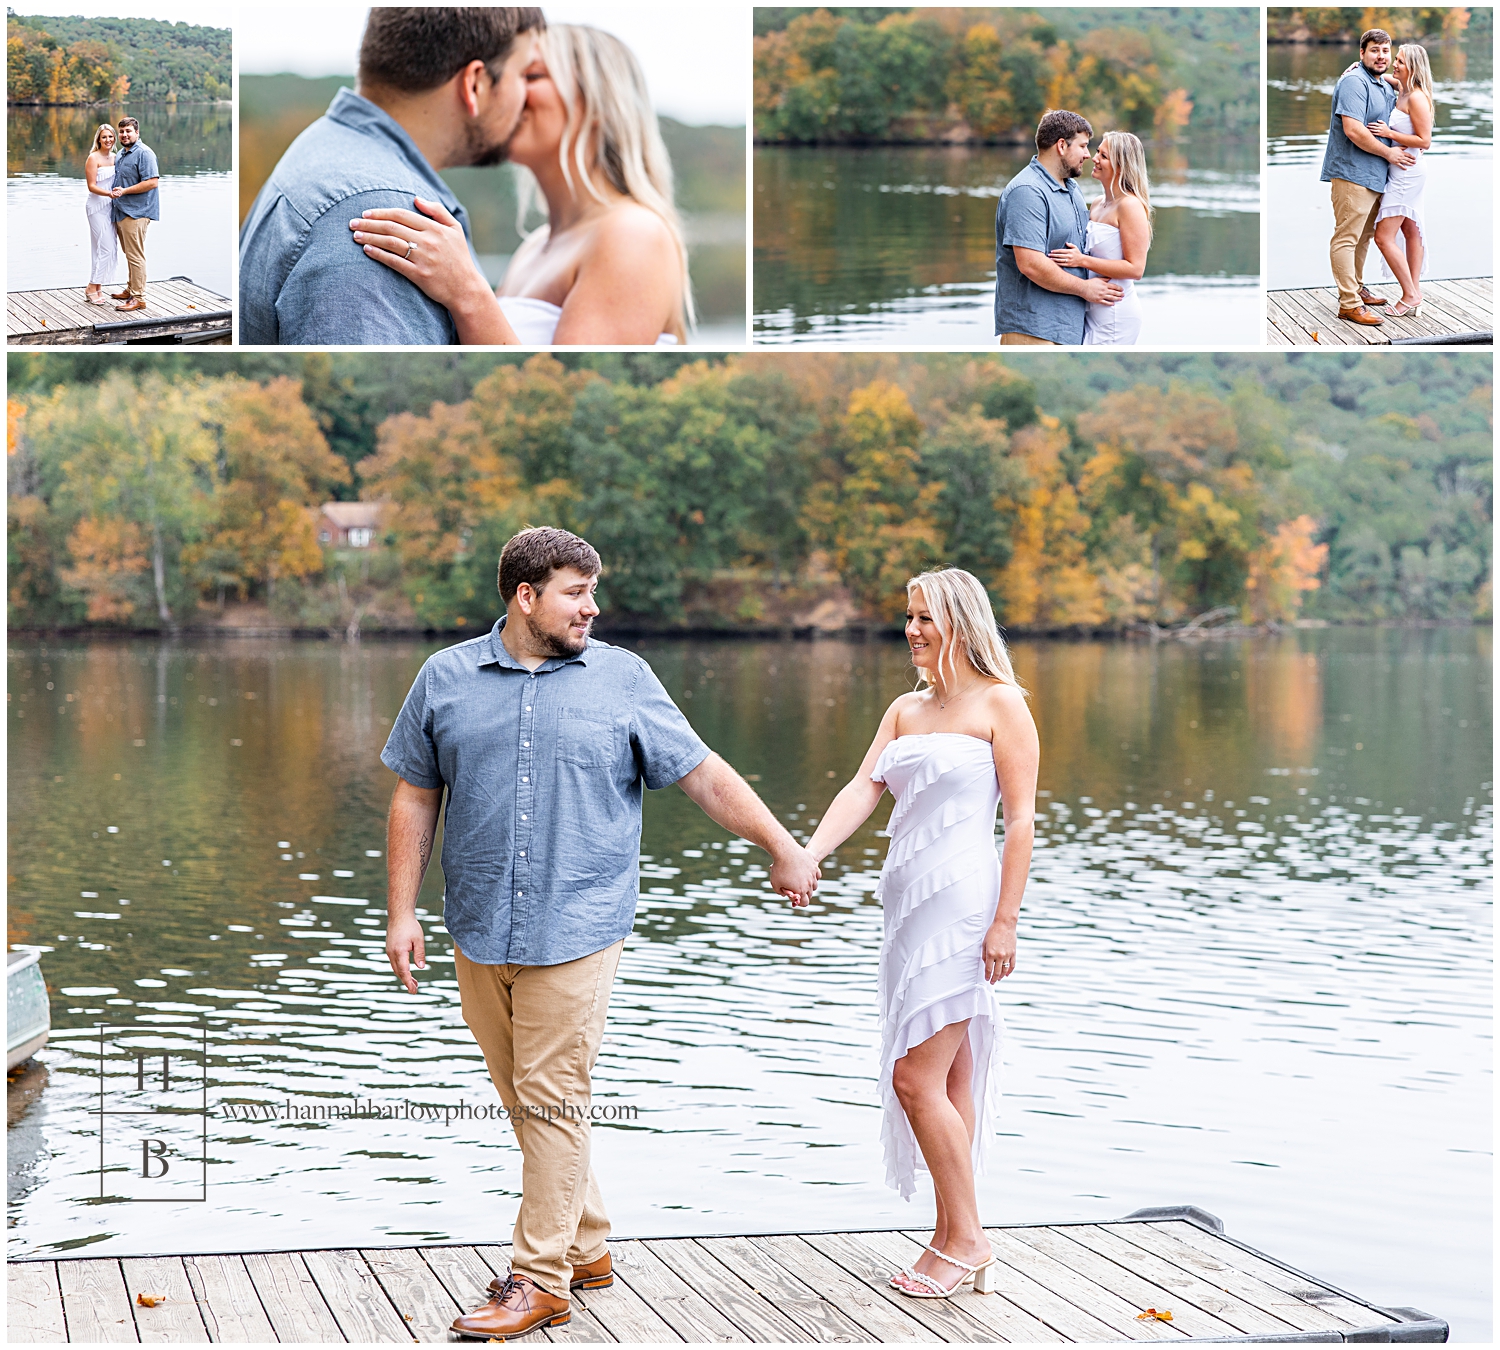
x,y
598,1274
119,295
1370,298
519,1305
1361,315
130,305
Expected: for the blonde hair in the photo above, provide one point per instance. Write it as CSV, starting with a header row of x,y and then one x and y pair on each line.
x,y
960,608
609,115
99,131
1128,157
1418,69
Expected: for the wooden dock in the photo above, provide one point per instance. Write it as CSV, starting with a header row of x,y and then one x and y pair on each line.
x,y
1058,1283
1460,311
177,311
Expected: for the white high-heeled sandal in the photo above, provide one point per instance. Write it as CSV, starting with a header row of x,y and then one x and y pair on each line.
x,y
983,1276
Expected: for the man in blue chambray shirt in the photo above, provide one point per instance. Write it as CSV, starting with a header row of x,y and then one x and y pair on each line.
x,y
1355,164
136,205
437,88
543,739
1038,303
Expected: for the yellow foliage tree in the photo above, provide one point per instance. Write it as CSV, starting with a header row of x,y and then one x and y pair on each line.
x,y
107,554
1283,570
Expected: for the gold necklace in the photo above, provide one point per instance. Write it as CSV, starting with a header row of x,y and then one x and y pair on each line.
x,y
958,695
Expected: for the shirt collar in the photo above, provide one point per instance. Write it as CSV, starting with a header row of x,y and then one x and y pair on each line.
x,y
1046,177
493,652
359,114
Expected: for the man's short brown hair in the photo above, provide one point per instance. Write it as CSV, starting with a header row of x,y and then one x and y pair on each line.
x,y
1060,126
1370,35
535,554
129,122
416,49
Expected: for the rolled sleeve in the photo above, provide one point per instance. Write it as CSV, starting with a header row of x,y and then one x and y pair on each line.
x,y
335,295
666,747
410,750
1026,219
147,166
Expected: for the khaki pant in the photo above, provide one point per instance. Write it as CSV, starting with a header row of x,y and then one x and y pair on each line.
x,y
1354,212
132,234
540,1029
1023,340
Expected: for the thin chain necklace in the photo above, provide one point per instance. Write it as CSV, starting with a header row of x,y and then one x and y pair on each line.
x,y
959,695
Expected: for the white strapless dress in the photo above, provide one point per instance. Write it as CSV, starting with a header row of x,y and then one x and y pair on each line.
x,y
104,247
1403,194
939,888
1111,325
535,321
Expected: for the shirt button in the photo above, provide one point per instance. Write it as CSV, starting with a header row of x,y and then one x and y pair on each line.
x,y
523,852
528,707
519,894
523,817
526,744
526,780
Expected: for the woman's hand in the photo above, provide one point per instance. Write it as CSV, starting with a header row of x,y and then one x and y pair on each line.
x,y
432,254
1379,129
999,950
1069,257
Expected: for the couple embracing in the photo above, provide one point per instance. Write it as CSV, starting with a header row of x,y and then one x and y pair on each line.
x,y
543,737
122,179
1065,270
355,239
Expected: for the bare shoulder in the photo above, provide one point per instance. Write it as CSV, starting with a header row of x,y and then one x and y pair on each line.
x,y
1007,708
1132,207
902,703
630,230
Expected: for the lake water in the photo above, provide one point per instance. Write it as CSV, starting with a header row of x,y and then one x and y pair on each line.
x,y
1457,202
48,237
1254,965
896,244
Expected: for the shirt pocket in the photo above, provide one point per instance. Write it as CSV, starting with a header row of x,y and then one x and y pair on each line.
x,y
587,738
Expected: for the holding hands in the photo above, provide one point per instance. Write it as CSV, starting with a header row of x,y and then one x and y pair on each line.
x,y
795,874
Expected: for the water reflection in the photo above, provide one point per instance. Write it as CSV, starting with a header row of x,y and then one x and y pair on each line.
x,y
898,242
1255,960
1457,199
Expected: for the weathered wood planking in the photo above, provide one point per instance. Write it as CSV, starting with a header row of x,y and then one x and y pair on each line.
x,y
1056,1283
1309,317
63,317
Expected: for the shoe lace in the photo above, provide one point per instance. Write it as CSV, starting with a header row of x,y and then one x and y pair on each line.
x,y
511,1284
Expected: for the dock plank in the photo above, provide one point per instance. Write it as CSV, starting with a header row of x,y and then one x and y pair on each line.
x,y
63,317
622,1312
732,1296
355,1298
1148,1282
419,1297
818,1321
33,1303
682,1307
95,1302
1288,1282
175,1320
290,1296
885,1319
1449,307
1288,1307
227,1299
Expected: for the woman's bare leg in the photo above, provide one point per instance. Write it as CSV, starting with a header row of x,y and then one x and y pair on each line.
x,y
1414,254
1388,241
945,1133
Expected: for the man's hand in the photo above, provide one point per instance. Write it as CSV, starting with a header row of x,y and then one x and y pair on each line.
x,y
1100,291
1400,157
117,192
795,875
405,947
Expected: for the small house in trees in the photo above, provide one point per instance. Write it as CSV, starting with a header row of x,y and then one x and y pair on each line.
x,y
349,524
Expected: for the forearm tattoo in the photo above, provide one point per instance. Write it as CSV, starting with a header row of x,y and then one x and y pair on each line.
x,y
424,854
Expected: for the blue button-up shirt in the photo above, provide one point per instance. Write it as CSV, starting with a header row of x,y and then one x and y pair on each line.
x,y
544,769
1038,212
135,164
1366,98
303,279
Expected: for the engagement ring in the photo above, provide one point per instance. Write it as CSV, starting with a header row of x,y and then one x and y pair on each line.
x,y
411,248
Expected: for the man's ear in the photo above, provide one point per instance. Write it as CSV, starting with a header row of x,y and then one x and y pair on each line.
x,y
526,597
473,81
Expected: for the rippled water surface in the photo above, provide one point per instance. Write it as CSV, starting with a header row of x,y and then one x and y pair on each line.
x,y
1458,213
896,244
1254,968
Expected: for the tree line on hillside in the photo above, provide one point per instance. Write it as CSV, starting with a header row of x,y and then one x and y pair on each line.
x,y
867,76
140,496
57,59
1405,25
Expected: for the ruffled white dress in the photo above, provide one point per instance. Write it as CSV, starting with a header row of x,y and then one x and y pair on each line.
x,y
939,888
535,321
104,247
1403,194
1111,325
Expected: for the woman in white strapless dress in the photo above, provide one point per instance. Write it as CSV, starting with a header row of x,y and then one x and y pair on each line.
x,y
1119,238
610,265
949,753
1399,226
104,247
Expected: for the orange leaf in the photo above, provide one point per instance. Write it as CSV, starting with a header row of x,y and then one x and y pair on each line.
x,y
150,1300
1315,335
1151,1313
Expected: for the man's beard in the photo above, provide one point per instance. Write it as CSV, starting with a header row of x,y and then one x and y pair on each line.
x,y
556,644
1072,171
485,154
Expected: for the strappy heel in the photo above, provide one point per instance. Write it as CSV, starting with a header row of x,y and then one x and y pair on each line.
x,y
982,1275
1401,310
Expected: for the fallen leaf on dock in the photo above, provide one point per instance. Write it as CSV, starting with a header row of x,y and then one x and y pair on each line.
x,y
150,1300
1315,335
1151,1314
